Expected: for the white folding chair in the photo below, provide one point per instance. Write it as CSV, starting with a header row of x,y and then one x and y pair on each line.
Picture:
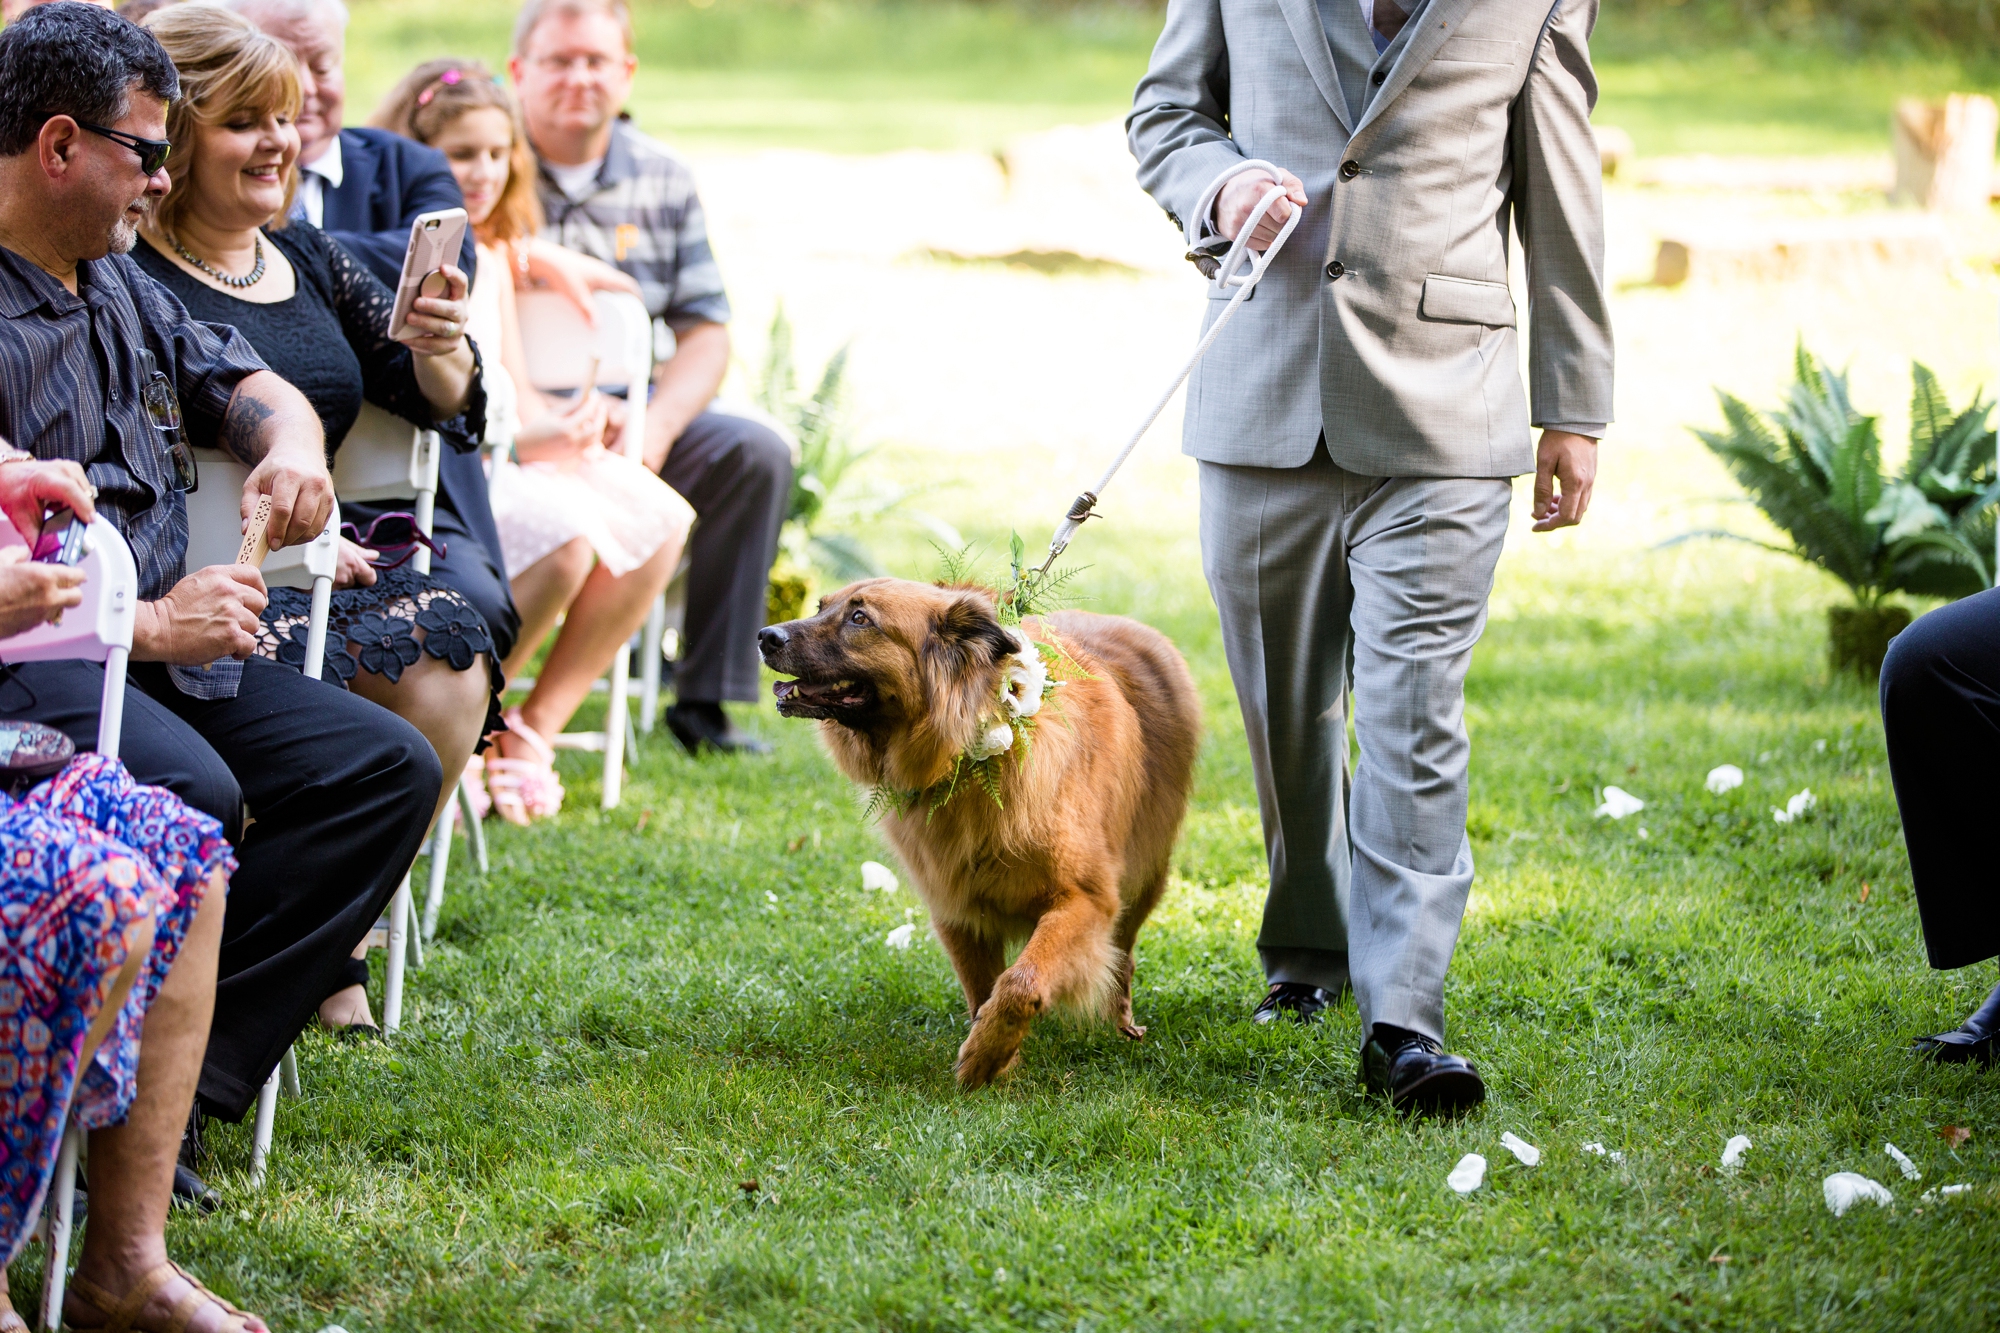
x,y
215,520
98,630
559,346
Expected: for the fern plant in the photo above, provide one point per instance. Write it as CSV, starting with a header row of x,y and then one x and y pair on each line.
x,y
1814,466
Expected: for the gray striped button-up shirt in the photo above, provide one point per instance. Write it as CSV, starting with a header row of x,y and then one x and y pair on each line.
x,y
70,383
642,215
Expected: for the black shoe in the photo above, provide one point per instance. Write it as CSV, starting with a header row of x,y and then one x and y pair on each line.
x,y
1416,1074
1974,1039
191,1191
705,724
1294,1000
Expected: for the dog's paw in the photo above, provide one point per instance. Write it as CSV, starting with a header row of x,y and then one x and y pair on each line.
x,y
989,1052
1133,1030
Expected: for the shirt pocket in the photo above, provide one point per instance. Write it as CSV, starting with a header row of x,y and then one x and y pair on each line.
x,y
1467,301
1479,51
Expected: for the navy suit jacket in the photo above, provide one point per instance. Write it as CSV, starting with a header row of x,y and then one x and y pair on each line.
x,y
386,181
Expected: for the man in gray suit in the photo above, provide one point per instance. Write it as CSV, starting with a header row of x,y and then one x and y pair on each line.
x,y
1358,426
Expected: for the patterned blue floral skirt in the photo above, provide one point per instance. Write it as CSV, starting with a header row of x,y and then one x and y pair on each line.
x,y
83,858
385,627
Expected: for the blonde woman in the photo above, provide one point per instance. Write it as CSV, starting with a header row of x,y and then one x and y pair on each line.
x,y
588,535
220,242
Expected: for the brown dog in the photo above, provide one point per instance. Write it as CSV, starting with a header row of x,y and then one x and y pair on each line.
x,y
906,677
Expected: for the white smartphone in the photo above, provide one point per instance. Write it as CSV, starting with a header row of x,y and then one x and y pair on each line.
x,y
435,239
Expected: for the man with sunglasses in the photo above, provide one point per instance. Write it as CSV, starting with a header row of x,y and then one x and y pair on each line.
x,y
101,368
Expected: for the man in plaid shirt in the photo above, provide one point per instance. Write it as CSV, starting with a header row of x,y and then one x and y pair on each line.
x,y
611,192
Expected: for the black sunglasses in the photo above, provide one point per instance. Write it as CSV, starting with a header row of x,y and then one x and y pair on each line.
x,y
152,152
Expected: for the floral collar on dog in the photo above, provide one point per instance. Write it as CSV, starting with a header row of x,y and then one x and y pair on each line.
x,y
1024,681
1024,687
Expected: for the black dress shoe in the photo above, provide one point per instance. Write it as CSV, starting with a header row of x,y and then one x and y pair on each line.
x,y
191,1191
696,725
1294,1000
1974,1039
1416,1074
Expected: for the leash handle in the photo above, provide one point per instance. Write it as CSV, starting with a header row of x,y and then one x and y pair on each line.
x,y
1241,270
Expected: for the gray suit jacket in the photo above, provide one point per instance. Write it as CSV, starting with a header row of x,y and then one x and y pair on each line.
x,y
1408,359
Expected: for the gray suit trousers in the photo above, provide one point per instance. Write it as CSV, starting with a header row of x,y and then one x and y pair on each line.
x,y
1331,583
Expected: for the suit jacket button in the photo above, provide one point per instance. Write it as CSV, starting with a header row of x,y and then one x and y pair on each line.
x,y
1335,269
1349,170
1379,77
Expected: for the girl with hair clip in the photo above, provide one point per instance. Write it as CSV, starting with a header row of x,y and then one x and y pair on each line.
x,y
588,535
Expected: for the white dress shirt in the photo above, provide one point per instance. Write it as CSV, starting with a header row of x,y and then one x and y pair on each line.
x,y
315,179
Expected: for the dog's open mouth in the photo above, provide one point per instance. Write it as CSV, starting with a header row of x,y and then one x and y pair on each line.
x,y
822,698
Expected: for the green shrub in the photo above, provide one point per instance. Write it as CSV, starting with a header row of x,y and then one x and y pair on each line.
x,y
1814,466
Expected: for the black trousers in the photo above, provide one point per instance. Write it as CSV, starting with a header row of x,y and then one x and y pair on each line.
x,y
467,566
1941,718
737,474
340,792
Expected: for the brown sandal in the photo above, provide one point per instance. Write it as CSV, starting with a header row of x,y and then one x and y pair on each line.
x,y
123,1312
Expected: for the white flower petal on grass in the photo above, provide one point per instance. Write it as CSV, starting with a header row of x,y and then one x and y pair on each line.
x,y
1844,1189
1795,808
1527,1153
1945,1192
876,876
1902,1161
1732,1152
1468,1175
899,938
1726,778
1619,803
1612,1153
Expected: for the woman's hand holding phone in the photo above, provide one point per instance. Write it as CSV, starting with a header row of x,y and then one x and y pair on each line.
x,y
436,326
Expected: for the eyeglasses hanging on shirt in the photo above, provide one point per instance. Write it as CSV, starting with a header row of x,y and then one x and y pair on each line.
x,y
163,409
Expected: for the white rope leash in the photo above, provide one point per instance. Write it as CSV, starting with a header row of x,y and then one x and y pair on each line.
x,y
1242,269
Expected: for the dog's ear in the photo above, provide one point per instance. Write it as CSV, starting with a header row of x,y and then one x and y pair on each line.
x,y
967,625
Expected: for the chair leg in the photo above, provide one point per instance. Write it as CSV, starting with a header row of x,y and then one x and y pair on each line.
x,y
289,1068
649,664
474,832
62,1220
399,947
614,729
266,1124
440,862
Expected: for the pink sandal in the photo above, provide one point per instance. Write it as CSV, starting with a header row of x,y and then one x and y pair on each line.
x,y
475,786
525,790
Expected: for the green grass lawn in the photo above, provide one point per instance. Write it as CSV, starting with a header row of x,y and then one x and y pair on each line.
x,y
854,76
638,1012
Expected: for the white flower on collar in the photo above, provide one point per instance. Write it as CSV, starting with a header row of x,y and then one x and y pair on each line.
x,y
1024,679
997,739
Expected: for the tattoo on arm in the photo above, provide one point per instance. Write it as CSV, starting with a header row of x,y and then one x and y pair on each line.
x,y
242,433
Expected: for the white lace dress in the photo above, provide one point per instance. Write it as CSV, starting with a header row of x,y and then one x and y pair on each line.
x,y
625,511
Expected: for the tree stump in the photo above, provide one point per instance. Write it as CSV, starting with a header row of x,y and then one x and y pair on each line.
x,y
1944,152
